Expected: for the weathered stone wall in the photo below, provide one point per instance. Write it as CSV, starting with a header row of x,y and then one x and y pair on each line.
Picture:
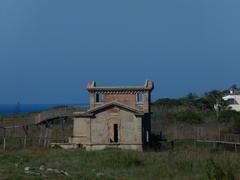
x,y
127,99
97,133
130,127
119,146
81,131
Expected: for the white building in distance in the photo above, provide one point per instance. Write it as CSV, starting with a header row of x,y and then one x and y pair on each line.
x,y
233,99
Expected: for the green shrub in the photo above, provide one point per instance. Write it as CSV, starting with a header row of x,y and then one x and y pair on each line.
x,y
119,159
189,116
232,117
216,172
229,116
167,102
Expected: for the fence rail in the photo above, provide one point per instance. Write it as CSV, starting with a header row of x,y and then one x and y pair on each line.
x,y
205,133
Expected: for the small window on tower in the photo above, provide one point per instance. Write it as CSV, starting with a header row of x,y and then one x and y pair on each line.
x,y
139,97
99,97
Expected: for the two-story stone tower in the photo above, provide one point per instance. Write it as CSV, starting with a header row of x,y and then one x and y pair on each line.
x,y
119,117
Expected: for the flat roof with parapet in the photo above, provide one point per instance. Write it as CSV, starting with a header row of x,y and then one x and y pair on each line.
x,y
149,86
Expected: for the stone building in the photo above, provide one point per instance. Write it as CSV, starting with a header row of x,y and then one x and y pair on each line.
x,y
119,117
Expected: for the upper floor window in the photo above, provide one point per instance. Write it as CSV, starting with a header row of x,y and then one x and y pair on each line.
x,y
139,97
99,98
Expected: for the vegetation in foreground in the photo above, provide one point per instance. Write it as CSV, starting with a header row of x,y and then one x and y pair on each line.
x,y
185,162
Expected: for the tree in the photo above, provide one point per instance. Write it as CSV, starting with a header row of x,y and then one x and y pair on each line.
x,y
214,97
192,96
234,86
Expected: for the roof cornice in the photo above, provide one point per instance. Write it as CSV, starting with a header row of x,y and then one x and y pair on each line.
x,y
149,86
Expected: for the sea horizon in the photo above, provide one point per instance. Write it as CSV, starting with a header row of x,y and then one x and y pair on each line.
x,y
18,108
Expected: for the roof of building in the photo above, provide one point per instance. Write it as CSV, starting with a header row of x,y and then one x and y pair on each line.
x,y
93,111
225,98
148,86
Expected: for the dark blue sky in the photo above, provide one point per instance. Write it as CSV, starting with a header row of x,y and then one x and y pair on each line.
x,y
50,49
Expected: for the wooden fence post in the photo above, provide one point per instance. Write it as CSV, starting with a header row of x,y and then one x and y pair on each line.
x,y
63,128
4,139
219,135
197,133
40,136
25,128
195,136
25,142
46,137
175,130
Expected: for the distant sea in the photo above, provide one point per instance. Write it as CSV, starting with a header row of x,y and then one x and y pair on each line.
x,y
12,109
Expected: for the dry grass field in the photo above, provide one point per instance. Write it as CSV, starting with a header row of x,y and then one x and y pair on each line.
x,y
184,162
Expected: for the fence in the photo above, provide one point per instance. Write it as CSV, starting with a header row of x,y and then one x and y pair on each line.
x,y
35,135
204,132
38,129
25,133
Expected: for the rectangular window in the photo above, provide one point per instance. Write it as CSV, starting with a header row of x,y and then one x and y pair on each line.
x,y
99,98
139,97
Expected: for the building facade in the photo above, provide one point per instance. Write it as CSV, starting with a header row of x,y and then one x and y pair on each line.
x,y
119,117
233,99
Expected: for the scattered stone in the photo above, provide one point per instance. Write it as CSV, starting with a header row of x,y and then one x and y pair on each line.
x,y
33,173
42,168
27,168
49,170
100,174
30,172
43,171
57,171
65,173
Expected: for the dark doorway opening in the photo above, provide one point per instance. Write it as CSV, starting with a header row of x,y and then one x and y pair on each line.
x,y
115,128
